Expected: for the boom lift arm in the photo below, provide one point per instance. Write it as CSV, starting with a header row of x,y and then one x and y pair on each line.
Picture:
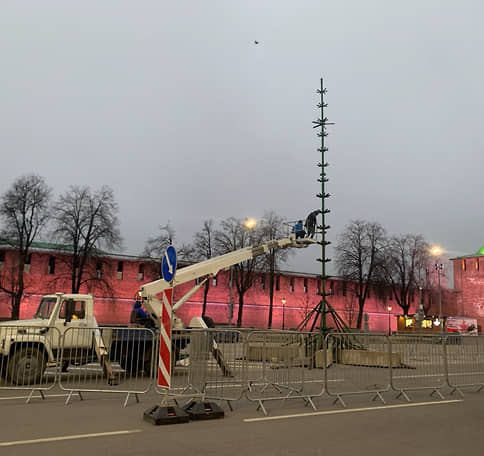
x,y
209,268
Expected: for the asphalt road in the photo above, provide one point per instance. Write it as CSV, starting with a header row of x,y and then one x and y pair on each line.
x,y
101,425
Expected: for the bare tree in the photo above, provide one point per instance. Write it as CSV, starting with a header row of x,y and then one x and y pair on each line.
x,y
358,254
86,221
155,247
351,308
307,304
233,235
24,210
406,258
272,227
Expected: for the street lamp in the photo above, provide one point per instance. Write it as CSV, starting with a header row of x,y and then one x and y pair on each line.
x,y
389,308
283,313
250,223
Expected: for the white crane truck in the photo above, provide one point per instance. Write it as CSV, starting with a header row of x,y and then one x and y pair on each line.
x,y
27,347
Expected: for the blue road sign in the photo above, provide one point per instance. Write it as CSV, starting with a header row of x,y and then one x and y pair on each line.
x,y
168,264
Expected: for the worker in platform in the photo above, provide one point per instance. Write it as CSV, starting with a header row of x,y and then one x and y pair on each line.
x,y
298,229
311,223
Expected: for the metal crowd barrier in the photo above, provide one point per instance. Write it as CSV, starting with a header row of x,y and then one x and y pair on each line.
x,y
228,364
226,373
277,366
464,356
30,360
183,363
360,364
420,364
107,360
206,364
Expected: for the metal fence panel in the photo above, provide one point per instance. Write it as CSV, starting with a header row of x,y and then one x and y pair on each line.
x,y
358,363
28,357
226,372
107,359
421,360
280,366
465,361
189,361
206,363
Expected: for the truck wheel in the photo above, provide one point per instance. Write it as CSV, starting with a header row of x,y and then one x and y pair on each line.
x,y
26,366
132,364
129,361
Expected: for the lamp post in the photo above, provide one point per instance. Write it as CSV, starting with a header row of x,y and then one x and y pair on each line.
x,y
231,304
436,251
283,313
389,308
439,267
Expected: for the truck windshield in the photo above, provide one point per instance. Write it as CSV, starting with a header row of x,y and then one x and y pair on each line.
x,y
46,307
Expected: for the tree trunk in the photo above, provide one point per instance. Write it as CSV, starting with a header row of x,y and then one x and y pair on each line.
x,y
241,308
271,298
74,275
359,320
205,294
17,295
15,307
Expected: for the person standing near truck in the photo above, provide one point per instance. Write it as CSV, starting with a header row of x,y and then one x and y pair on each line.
x,y
139,316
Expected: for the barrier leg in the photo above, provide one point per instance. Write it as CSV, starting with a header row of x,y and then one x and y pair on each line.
x,y
309,401
404,394
339,399
32,393
379,396
70,395
438,393
458,390
261,406
127,398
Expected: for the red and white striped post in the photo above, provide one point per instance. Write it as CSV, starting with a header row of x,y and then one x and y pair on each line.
x,y
164,361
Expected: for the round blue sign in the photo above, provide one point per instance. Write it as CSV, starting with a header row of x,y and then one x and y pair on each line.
x,y
168,264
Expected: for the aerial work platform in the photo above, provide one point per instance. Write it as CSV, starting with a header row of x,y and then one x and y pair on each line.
x,y
302,242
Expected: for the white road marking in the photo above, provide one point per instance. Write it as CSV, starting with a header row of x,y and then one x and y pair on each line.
x,y
334,412
67,437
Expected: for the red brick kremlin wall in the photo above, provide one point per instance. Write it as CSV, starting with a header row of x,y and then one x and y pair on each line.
x,y
298,290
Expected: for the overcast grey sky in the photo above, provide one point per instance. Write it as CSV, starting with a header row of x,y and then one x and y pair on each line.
x,y
173,105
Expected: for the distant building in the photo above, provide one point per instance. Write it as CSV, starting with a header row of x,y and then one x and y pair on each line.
x,y
469,286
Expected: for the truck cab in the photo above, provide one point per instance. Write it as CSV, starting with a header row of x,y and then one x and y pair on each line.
x,y
28,346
